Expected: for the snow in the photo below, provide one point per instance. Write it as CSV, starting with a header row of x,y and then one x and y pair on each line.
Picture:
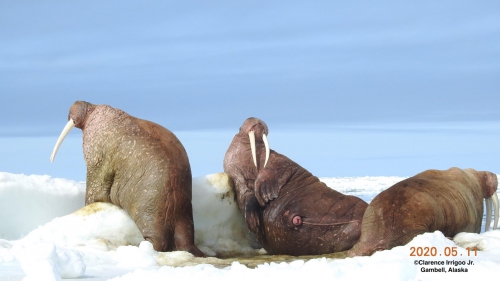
x,y
48,234
42,197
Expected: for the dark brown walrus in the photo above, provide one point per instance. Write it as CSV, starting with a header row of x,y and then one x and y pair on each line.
x,y
139,166
288,208
450,201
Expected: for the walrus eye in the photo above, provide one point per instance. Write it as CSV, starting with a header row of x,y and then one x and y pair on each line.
x,y
297,221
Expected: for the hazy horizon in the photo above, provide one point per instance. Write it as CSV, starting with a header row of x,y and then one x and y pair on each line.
x,y
196,66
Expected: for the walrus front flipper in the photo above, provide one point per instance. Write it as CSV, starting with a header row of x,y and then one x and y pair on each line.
x,y
269,183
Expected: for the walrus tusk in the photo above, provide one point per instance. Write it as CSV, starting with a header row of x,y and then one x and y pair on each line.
x,y
64,133
488,204
266,144
495,209
251,135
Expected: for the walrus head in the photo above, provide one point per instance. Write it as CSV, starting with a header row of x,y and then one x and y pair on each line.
x,y
78,115
489,183
257,132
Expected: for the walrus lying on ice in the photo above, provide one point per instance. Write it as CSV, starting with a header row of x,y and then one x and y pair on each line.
x,y
289,209
450,201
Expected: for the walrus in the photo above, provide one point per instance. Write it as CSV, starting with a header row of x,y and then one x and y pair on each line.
x,y
450,201
290,210
139,166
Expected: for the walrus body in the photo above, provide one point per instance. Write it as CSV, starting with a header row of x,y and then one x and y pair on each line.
x,y
450,201
288,208
141,167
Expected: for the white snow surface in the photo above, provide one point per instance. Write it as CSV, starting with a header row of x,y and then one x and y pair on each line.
x,y
46,233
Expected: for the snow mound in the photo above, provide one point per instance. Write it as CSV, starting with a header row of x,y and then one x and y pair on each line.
x,y
27,202
101,226
220,229
45,261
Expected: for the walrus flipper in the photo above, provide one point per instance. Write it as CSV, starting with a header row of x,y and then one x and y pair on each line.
x,y
252,213
99,183
269,183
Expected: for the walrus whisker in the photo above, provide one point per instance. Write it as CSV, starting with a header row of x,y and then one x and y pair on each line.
x,y
329,224
266,144
494,198
63,135
251,136
488,214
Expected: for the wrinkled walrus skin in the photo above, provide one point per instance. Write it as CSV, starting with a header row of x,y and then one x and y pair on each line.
x,y
141,167
290,210
450,201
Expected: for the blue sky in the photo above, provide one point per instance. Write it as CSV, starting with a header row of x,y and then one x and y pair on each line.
x,y
400,77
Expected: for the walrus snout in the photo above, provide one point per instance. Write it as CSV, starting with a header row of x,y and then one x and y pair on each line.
x,y
491,199
79,112
492,182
